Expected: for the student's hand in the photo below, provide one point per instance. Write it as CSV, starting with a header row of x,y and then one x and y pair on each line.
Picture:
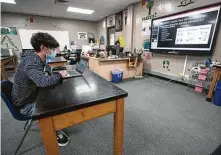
x,y
63,73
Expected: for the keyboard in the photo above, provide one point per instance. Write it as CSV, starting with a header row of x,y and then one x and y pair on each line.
x,y
59,68
73,73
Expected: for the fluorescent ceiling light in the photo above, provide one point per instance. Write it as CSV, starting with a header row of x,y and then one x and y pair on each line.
x,y
79,10
8,1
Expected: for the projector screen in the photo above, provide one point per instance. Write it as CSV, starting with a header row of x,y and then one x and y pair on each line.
x,y
191,32
61,36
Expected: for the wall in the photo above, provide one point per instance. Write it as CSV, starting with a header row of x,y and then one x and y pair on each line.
x,y
101,29
165,7
126,32
47,23
127,29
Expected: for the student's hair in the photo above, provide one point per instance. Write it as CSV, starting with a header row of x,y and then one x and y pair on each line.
x,y
44,39
117,42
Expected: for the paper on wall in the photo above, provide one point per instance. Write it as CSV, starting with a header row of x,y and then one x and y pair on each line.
x,y
82,35
146,27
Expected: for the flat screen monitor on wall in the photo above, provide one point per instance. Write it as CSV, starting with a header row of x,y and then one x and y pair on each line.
x,y
191,32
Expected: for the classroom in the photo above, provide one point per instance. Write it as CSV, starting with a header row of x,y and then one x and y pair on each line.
x,y
121,77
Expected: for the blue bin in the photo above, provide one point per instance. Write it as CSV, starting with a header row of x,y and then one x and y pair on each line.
x,y
117,75
217,98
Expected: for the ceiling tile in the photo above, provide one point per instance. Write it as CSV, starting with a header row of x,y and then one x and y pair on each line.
x,y
102,8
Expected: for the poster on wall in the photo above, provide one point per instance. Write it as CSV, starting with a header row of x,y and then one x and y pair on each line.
x,y
82,35
112,39
7,43
119,21
146,27
102,40
8,31
111,20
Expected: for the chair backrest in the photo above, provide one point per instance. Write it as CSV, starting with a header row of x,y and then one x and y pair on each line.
x,y
6,91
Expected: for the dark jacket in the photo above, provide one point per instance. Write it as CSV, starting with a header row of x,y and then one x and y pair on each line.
x,y
29,77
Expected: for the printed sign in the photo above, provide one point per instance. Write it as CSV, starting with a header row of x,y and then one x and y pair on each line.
x,y
146,27
82,35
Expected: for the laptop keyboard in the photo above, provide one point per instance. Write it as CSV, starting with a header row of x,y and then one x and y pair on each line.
x,y
73,73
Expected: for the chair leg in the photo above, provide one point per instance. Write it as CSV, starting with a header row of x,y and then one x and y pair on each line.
x,y
23,137
26,123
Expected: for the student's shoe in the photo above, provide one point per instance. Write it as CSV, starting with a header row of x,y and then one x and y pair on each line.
x,y
62,138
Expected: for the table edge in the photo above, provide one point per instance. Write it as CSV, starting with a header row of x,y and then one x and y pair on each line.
x,y
74,108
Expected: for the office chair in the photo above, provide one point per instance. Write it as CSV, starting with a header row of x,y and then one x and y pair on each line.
x,y
6,89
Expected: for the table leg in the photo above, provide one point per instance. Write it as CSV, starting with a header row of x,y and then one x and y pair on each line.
x,y
118,127
212,85
49,136
3,72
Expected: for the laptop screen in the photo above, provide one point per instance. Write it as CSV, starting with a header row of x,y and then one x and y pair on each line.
x,y
81,66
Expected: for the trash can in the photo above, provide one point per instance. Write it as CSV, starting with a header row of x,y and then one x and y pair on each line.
x,y
117,75
217,97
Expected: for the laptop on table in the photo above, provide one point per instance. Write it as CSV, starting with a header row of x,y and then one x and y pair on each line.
x,y
78,71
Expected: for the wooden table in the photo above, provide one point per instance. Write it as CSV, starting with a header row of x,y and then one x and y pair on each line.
x,y
86,58
4,61
216,76
103,67
58,61
62,54
78,100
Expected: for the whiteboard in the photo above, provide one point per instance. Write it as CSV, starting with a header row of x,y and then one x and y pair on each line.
x,y
61,36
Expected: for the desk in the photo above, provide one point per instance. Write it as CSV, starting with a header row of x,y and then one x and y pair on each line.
x,y
86,58
58,61
216,76
103,67
62,54
73,102
4,61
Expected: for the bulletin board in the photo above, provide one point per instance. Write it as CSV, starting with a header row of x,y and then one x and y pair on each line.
x,y
61,36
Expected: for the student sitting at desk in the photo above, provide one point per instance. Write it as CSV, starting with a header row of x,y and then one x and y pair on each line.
x,y
31,75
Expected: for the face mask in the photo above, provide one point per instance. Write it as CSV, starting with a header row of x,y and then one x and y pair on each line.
x,y
52,55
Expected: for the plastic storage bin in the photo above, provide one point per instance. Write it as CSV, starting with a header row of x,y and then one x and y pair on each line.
x,y
217,97
117,75
199,88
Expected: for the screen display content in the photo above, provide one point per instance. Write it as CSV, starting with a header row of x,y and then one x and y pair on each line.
x,y
191,31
